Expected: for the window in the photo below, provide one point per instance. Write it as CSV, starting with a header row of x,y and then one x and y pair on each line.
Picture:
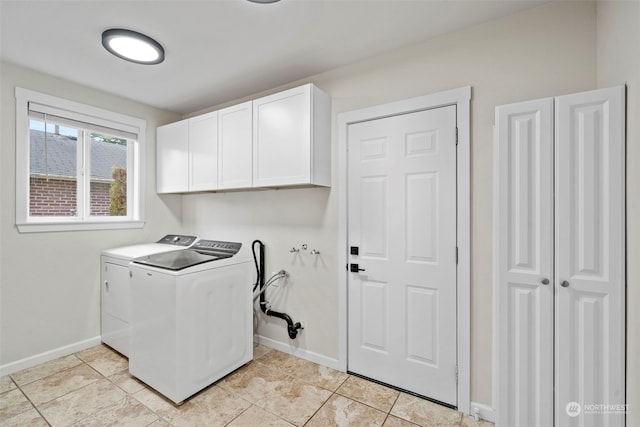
x,y
78,166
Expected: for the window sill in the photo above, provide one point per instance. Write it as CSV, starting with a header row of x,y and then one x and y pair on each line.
x,y
43,227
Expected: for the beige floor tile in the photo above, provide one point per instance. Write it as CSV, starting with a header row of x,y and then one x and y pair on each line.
x,y
56,385
93,388
282,361
397,422
255,416
295,401
6,384
468,421
425,413
254,381
162,406
13,403
96,352
82,403
369,393
259,351
126,412
127,382
30,418
45,369
319,375
342,412
214,407
104,360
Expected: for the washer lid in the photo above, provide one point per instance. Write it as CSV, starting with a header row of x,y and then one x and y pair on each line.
x,y
203,251
170,242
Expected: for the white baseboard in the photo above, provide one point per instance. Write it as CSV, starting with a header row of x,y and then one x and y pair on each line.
x,y
31,361
484,412
298,352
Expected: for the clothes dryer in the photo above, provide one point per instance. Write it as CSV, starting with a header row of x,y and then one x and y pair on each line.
x,y
115,291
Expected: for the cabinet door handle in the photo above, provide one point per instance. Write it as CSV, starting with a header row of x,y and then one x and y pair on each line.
x,y
564,284
545,281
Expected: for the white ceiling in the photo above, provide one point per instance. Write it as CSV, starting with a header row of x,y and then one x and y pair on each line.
x,y
222,50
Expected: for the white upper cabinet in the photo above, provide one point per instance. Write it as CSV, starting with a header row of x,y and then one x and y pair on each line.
x,y
235,161
291,138
203,152
172,158
187,155
279,140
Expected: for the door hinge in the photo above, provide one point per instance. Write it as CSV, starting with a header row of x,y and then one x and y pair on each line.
x,y
456,374
456,255
456,135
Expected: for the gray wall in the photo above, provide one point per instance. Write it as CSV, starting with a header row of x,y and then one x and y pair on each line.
x,y
49,282
619,62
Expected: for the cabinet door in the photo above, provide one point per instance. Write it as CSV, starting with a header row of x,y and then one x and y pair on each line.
x,y
203,152
172,161
523,267
590,256
235,160
282,138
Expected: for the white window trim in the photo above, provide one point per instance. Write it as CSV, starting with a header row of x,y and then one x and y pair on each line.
x,y
26,224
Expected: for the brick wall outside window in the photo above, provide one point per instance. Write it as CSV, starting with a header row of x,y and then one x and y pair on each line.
x,y
57,197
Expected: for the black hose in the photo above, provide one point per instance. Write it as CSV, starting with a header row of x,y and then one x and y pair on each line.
x,y
255,261
292,328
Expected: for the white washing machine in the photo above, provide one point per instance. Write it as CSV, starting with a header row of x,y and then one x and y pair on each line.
x,y
115,286
192,317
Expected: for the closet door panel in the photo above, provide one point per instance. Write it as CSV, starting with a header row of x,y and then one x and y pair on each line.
x,y
524,254
589,255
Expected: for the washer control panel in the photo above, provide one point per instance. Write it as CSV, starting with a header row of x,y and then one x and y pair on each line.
x,y
178,240
227,248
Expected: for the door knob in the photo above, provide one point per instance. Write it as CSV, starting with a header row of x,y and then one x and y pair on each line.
x,y
354,268
545,281
564,284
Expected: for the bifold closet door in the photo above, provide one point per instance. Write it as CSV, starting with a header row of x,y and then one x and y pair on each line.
x,y
560,261
590,256
524,264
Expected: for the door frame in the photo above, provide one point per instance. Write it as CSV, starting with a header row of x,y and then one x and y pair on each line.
x,y
461,98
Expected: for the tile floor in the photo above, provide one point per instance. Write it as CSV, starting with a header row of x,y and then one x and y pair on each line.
x,y
93,388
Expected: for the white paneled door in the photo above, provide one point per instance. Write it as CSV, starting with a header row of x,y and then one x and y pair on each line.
x,y
590,257
402,238
560,261
524,230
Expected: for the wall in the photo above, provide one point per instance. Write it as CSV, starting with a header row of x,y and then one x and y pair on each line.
x,y
619,62
546,51
49,282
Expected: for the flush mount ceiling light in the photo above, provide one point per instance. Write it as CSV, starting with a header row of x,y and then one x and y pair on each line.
x,y
132,46
264,1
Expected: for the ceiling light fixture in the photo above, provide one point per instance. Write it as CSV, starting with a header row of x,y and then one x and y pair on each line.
x,y
133,46
264,1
